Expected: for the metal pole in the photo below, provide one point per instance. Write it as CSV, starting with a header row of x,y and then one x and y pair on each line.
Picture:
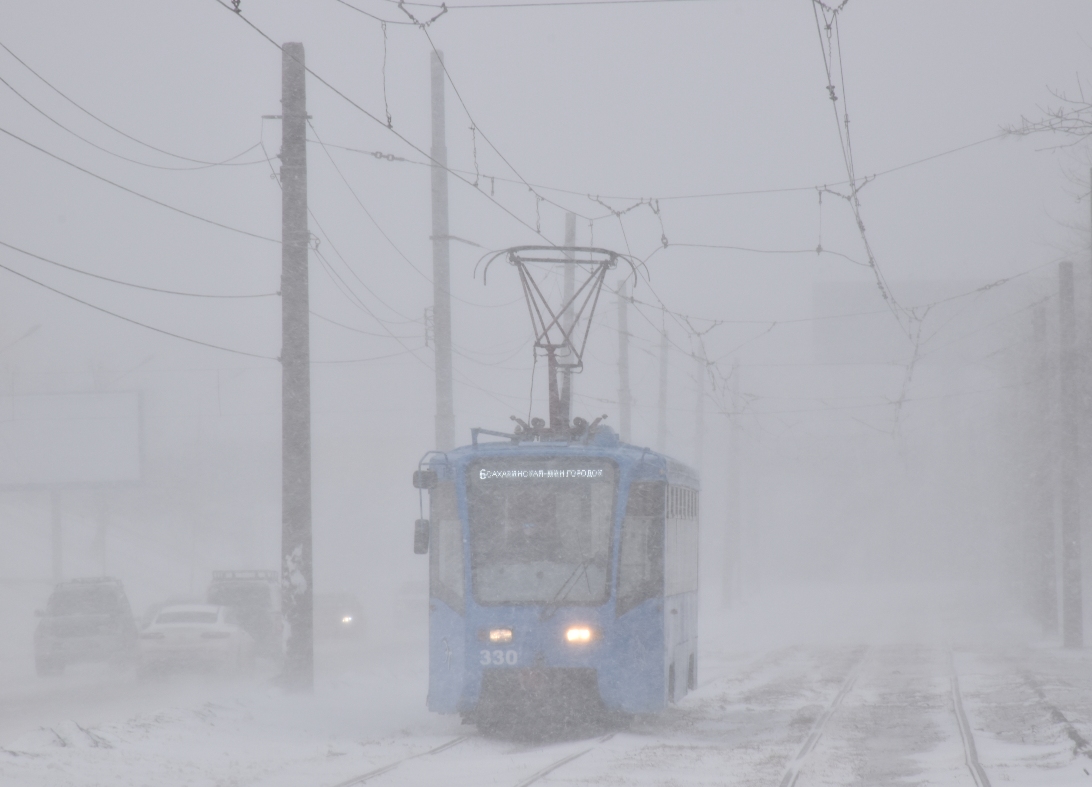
x,y
555,397
57,534
661,425
699,410
733,537
1072,619
1043,567
567,319
625,399
103,523
441,263
296,588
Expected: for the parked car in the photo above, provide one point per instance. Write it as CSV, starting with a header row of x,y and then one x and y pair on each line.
x,y
337,615
84,620
256,598
148,617
195,636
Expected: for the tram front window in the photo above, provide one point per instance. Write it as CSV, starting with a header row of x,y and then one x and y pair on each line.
x,y
540,530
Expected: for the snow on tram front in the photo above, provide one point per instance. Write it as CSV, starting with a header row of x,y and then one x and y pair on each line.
x,y
563,575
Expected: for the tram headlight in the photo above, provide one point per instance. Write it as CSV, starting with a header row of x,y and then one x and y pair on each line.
x,y
578,635
495,635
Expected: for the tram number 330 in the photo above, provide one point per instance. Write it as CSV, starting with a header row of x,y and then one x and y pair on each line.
x,y
499,657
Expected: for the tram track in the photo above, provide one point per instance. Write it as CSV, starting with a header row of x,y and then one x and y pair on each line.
x,y
525,781
377,772
766,661
504,767
1080,743
544,772
796,765
970,752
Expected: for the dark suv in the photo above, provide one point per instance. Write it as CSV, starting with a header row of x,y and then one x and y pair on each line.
x,y
256,599
84,620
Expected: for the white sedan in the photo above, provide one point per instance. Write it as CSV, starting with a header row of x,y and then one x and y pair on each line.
x,y
195,635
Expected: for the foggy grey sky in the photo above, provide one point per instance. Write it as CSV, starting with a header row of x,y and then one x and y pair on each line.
x,y
641,101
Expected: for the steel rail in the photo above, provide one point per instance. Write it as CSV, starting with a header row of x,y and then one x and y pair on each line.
x,y
970,753
796,765
537,775
364,777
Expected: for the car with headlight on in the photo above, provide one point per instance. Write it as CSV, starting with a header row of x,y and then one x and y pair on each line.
x,y
337,615
85,620
195,636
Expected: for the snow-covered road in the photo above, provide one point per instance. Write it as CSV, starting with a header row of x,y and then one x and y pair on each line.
x,y
804,715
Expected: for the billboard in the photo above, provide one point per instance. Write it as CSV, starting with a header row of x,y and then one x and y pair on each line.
x,y
57,439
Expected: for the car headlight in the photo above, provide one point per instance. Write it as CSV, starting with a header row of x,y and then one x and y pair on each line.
x,y
579,635
347,619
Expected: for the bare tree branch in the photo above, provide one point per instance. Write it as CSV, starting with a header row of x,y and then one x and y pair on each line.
x,y
1072,116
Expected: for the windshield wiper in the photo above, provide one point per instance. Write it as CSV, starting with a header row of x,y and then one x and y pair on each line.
x,y
566,588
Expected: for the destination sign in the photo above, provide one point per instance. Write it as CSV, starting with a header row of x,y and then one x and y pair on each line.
x,y
541,473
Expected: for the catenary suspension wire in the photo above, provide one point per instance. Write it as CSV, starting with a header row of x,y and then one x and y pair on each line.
x,y
546,3
386,237
715,246
109,152
847,156
361,331
137,193
133,284
976,291
163,331
329,268
407,351
376,119
226,162
474,125
381,122
673,197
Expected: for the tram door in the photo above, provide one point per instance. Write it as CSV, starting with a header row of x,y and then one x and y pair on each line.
x,y
681,589
447,601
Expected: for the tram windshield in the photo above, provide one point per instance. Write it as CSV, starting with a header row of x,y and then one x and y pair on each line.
x,y
540,530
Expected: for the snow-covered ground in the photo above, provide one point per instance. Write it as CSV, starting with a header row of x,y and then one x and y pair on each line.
x,y
869,712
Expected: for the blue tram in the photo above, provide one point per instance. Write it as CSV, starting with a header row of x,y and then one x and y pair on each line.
x,y
561,570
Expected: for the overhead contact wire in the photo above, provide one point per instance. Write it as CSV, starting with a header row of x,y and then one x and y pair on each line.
x,y
137,193
116,130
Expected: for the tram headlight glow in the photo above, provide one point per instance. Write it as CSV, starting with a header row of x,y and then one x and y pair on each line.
x,y
499,635
578,635
347,619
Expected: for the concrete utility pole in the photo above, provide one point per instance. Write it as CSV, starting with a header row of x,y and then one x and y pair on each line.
x,y
1042,566
699,410
100,537
567,319
625,398
57,534
296,586
1072,622
661,425
441,263
732,536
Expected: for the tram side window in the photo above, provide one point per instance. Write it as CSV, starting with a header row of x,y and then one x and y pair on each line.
x,y
641,558
681,542
446,554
